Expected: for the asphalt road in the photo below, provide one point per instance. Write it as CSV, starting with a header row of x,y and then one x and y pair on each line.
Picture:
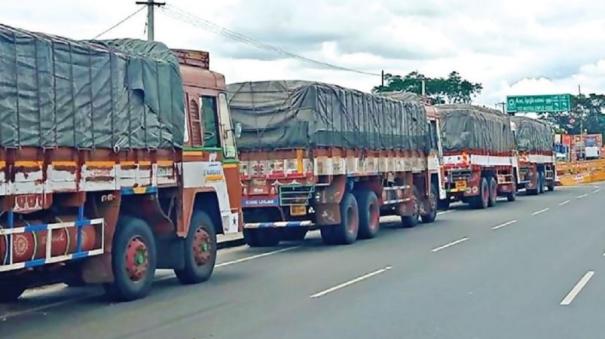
x,y
534,268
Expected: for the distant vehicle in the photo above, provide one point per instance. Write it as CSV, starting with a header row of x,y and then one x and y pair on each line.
x,y
592,152
536,157
479,159
319,156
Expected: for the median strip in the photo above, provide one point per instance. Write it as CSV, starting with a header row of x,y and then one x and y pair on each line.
x,y
350,282
569,298
504,225
453,243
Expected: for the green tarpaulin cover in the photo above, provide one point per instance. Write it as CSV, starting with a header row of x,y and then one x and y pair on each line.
x,y
56,92
532,135
466,127
302,114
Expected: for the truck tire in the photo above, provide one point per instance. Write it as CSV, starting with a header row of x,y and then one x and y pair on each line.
x,y
534,191
260,237
133,260
482,200
433,202
512,196
493,192
551,186
369,214
540,182
409,221
10,291
346,232
444,204
293,233
200,250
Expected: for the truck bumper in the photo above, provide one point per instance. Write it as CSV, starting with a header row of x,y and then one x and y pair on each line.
x,y
280,224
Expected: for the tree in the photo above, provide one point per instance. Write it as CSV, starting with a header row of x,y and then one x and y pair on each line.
x,y
453,89
587,114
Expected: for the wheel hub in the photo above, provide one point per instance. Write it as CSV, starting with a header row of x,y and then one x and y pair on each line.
x,y
201,246
137,259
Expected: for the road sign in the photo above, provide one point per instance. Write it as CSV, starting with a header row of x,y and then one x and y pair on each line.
x,y
538,103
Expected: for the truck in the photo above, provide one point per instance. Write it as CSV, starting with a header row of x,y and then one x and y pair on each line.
x,y
117,158
534,144
320,156
479,157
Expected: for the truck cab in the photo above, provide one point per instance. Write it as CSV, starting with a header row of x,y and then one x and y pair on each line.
x,y
435,159
210,155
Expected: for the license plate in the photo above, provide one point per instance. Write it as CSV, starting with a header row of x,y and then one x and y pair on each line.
x,y
298,210
460,185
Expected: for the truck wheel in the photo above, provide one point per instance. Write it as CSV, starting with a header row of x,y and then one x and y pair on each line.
x,y
293,233
541,183
10,291
534,191
369,214
512,196
133,260
493,192
260,237
551,186
432,215
409,221
482,200
444,204
346,232
200,250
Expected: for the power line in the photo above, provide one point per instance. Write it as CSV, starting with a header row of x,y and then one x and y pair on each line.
x,y
184,16
119,23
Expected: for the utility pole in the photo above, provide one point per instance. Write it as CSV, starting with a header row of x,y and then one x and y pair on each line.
x,y
150,16
382,79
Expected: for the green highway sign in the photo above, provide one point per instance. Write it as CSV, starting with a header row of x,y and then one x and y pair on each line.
x,y
538,103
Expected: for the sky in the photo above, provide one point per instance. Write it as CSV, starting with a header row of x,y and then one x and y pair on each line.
x,y
512,47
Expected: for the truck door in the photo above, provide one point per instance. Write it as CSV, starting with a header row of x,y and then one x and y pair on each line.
x,y
230,162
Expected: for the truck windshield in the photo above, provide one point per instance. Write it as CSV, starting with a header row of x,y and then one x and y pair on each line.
x,y
433,134
209,118
229,142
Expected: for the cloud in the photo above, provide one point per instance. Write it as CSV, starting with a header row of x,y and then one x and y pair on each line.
x,y
516,46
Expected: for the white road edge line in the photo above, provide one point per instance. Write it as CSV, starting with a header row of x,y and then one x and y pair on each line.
x,y
541,211
504,225
456,242
582,196
564,202
237,261
577,289
444,212
350,282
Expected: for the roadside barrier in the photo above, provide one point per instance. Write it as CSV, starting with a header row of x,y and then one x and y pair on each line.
x,y
580,172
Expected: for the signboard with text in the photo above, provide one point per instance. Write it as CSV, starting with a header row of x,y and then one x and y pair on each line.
x,y
538,103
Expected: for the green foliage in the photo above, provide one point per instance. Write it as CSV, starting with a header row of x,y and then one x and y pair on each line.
x,y
588,114
453,89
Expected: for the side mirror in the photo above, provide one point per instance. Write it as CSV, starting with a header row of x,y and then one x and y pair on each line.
x,y
238,130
